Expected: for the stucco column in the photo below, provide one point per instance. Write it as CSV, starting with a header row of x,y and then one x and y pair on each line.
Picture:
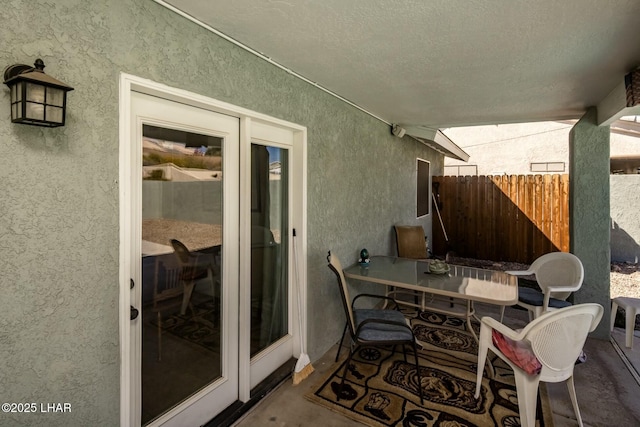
x,y
590,212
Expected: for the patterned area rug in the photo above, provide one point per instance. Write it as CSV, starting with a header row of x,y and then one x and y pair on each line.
x,y
381,389
198,326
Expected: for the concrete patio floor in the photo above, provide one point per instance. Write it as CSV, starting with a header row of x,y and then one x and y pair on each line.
x,y
608,394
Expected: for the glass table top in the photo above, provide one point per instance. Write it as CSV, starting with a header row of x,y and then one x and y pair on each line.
x,y
495,287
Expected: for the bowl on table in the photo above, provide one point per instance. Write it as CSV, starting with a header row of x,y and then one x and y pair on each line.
x,y
438,267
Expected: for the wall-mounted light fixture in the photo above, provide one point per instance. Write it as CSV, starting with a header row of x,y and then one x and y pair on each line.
x,y
397,130
36,98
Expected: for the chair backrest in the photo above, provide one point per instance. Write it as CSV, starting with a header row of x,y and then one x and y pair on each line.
x,y
336,266
410,241
190,271
181,251
557,337
559,269
167,283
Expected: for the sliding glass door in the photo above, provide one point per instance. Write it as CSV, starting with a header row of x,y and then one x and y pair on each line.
x,y
212,207
186,296
270,233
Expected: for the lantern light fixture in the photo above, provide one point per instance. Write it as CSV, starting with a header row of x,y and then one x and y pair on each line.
x,y
36,98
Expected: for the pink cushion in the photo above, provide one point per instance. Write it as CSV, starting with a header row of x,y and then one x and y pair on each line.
x,y
518,352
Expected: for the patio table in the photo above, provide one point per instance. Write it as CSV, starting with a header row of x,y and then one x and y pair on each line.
x,y
462,283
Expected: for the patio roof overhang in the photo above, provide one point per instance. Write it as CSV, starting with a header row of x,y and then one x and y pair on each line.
x,y
435,139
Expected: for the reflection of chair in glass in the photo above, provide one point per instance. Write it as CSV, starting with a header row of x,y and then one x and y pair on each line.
x,y
372,327
558,274
168,291
545,350
175,279
194,267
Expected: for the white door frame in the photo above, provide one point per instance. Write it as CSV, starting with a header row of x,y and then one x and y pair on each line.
x,y
129,83
278,353
223,391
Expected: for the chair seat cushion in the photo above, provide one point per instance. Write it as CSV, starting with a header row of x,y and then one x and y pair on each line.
x,y
536,298
382,331
518,352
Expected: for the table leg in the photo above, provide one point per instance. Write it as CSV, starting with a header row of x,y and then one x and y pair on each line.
x,y
470,314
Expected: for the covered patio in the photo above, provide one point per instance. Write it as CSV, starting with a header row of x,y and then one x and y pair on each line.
x,y
535,63
366,88
479,91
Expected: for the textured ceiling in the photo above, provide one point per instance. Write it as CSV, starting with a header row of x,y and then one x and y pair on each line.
x,y
443,63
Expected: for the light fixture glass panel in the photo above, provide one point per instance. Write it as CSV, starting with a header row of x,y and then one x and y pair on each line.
x,y
18,87
54,114
55,96
14,111
35,111
35,92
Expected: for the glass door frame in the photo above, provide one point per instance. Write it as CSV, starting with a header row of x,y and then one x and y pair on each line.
x,y
270,358
129,374
202,403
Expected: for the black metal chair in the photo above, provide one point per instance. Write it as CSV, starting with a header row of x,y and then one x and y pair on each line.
x,y
372,327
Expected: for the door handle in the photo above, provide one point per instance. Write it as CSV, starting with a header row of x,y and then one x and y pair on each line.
x,y
134,313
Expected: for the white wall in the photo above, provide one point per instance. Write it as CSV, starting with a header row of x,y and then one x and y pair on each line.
x,y
511,148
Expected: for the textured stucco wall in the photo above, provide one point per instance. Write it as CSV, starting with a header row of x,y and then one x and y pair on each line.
x,y
355,197
589,211
59,337
625,227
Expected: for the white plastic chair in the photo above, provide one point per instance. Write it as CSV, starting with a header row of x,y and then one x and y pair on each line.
x,y
555,339
631,308
558,274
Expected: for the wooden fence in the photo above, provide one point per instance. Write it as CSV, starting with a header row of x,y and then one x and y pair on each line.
x,y
501,218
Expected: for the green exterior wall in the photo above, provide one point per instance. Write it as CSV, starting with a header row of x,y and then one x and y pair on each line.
x,y
59,216
589,209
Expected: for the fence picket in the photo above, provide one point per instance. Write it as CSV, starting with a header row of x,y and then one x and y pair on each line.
x,y
503,218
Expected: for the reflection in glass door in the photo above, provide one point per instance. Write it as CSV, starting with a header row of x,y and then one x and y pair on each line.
x,y
269,245
211,265
181,266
